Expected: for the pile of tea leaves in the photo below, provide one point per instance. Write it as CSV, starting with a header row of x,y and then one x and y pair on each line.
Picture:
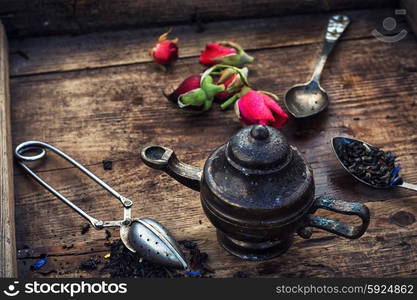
x,y
369,163
124,263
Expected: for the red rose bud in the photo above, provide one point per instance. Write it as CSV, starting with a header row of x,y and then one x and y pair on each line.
x,y
165,52
259,108
232,81
195,97
200,100
226,53
189,84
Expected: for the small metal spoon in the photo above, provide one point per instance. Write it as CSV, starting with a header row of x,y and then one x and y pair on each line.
x,y
336,141
305,100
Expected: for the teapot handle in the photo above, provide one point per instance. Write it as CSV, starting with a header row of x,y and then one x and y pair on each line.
x,y
343,207
164,159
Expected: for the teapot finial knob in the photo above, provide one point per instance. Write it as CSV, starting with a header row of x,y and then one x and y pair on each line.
x,y
258,149
259,132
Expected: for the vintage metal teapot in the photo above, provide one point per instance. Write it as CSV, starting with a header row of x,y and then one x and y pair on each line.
x,y
257,190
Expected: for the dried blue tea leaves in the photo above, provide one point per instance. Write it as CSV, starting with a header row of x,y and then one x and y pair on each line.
x,y
368,163
193,273
39,263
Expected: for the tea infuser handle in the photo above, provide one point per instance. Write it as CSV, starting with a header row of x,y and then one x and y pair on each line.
x,y
164,159
41,147
343,207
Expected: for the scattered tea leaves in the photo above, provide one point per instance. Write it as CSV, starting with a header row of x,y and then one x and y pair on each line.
x,y
240,274
107,234
124,263
67,247
197,259
39,263
107,165
369,163
90,264
85,228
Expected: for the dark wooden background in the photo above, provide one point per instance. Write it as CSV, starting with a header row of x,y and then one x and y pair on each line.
x,y
42,17
97,96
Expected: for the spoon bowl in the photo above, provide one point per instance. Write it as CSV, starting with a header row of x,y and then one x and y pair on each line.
x,y
336,143
305,100
308,99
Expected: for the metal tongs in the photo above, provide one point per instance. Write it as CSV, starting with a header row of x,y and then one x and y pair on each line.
x,y
145,236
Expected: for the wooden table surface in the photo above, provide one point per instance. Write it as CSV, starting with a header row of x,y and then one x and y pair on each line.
x,y
98,97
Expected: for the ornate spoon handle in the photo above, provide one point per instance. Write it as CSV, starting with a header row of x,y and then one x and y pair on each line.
x,y
335,28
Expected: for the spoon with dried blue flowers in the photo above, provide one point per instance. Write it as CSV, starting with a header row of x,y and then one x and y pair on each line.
x,y
369,164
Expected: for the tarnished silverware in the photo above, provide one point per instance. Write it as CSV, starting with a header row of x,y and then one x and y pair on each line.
x,y
147,237
308,99
336,141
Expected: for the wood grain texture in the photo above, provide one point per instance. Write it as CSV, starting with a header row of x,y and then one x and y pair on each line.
x,y
44,17
387,249
112,112
65,53
8,266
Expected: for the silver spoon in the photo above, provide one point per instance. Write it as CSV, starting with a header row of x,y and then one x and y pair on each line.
x,y
147,237
338,141
305,100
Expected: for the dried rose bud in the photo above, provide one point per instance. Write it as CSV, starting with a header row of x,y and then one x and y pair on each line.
x,y
189,84
195,94
232,81
226,53
165,52
262,108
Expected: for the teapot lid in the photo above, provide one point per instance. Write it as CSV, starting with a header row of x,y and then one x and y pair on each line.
x,y
258,149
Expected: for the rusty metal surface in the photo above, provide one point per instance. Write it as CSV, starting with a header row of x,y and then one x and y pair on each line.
x,y
257,190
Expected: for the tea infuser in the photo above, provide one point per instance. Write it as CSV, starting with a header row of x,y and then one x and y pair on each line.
x,y
145,236
337,142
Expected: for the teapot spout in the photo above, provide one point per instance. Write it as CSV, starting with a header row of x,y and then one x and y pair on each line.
x,y
164,159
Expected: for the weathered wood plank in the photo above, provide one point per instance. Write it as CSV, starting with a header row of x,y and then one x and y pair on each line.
x,y
386,247
125,104
155,195
411,11
42,17
110,113
45,54
8,267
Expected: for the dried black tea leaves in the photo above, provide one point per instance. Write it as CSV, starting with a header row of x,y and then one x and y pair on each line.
x,y
124,263
240,274
90,264
107,165
85,228
369,163
197,259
